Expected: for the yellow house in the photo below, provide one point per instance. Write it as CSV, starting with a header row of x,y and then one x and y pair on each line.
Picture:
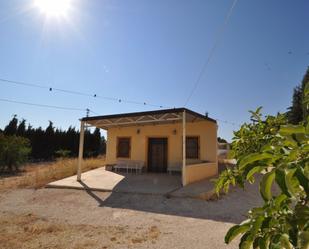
x,y
159,141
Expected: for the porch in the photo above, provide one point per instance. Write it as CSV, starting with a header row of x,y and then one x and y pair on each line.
x,y
104,180
149,184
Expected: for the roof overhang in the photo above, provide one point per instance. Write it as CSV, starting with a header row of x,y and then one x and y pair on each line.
x,y
143,118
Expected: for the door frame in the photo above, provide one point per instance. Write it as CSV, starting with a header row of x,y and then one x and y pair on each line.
x,y
147,149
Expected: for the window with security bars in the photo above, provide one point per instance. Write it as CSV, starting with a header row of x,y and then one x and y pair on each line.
x,y
192,147
123,147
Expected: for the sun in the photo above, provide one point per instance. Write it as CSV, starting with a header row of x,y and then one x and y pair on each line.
x,y
54,8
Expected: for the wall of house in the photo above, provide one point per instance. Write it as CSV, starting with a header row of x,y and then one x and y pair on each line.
x,y
206,130
198,172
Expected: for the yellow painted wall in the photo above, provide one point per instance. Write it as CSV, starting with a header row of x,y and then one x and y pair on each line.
x,y
197,172
206,130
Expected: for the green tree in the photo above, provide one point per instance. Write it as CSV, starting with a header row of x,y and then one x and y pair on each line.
x,y
21,129
282,158
11,128
14,151
97,141
298,112
50,142
103,146
295,113
62,153
93,143
278,152
304,86
221,140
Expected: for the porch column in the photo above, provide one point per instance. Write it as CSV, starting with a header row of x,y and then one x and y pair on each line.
x,y
81,150
184,148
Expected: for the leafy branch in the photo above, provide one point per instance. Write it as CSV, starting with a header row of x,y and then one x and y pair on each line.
x,y
279,153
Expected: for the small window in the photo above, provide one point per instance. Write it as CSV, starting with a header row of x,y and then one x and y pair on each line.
x,y
192,147
123,147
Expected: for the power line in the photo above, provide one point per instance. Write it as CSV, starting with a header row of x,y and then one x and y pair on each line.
x,y
78,93
23,83
51,89
43,105
211,53
87,110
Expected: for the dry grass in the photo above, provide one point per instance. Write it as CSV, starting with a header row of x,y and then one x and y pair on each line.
x,y
30,231
39,174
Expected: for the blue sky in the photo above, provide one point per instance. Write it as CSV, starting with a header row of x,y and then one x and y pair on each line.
x,y
153,51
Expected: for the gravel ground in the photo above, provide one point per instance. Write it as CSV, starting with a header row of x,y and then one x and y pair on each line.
x,y
61,218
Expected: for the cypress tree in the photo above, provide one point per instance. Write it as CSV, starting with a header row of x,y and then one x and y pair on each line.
x,y
45,143
21,129
298,112
304,83
96,141
103,146
11,128
49,141
295,113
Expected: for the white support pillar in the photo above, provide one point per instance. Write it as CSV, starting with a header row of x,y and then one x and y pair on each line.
x,y
81,150
184,148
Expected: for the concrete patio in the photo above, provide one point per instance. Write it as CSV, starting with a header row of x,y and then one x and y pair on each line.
x,y
104,180
146,183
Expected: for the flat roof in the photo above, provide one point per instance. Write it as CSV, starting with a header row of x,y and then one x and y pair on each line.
x,y
162,116
155,112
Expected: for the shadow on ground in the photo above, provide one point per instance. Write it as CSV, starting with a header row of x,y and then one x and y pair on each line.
x,y
231,208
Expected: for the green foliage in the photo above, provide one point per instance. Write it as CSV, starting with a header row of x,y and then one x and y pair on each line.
x,y
252,137
299,110
221,140
295,113
13,152
305,87
279,153
46,142
21,129
11,128
62,153
247,144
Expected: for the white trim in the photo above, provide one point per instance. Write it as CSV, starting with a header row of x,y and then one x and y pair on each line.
x,y
163,116
144,119
81,150
139,122
184,148
140,118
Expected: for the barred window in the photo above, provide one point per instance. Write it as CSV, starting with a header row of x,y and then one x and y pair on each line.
x,y
123,147
192,147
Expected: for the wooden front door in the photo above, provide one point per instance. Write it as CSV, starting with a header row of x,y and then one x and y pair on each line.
x,y
157,154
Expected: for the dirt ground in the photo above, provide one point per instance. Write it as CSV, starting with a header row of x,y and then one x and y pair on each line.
x,y
61,218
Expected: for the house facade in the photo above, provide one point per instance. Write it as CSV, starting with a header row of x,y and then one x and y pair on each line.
x,y
162,141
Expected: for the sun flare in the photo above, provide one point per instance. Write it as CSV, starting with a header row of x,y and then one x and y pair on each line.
x,y
53,8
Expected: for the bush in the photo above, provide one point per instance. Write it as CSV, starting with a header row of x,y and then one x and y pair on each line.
x,y
14,151
63,153
280,153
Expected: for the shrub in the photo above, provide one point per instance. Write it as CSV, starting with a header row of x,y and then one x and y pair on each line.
x,y
13,152
63,153
280,153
